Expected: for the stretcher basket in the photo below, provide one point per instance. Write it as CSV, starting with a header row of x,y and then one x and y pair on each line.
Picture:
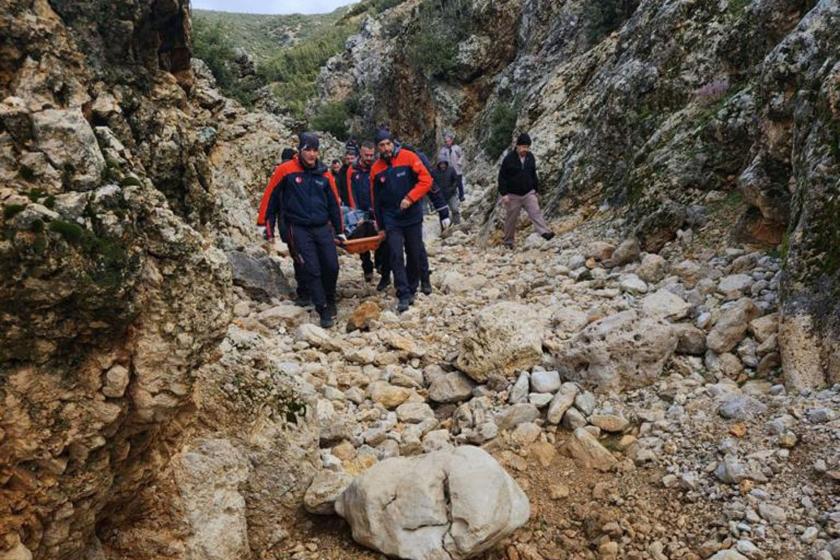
x,y
361,232
362,244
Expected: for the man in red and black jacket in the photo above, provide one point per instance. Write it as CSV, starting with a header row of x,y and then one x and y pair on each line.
x,y
301,197
398,181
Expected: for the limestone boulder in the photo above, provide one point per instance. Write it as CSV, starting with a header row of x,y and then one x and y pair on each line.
x,y
621,350
505,337
446,505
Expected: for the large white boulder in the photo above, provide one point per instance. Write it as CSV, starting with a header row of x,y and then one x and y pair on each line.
x,y
446,505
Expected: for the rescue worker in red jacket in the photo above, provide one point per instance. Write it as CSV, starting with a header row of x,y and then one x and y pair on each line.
x,y
302,198
399,180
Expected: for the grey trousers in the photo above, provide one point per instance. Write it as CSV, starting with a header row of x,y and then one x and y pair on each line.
x,y
513,208
455,208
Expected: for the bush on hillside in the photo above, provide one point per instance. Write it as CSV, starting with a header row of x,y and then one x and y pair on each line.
x,y
294,70
501,122
211,44
332,118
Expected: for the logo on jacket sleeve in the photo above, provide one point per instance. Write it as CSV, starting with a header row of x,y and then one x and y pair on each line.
x,y
382,179
298,180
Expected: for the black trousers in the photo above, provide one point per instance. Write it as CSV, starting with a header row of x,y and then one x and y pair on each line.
x,y
367,262
408,258
314,251
382,263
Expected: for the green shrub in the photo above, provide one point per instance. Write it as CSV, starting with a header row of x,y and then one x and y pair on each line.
x,y
332,118
432,50
212,45
72,233
294,71
502,122
432,43
373,7
12,210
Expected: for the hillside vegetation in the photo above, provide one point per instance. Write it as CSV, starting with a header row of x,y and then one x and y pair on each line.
x,y
284,52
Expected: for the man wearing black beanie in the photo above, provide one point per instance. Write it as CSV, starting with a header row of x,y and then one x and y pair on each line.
x,y
302,197
518,187
399,180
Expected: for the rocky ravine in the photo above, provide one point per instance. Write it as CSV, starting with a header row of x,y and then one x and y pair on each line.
x,y
653,108
162,399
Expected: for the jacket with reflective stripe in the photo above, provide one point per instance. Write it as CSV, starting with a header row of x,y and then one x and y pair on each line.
x,y
404,175
299,196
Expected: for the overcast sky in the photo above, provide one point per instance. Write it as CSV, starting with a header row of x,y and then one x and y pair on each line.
x,y
272,6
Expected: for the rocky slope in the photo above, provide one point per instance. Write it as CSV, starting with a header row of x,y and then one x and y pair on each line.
x,y
655,108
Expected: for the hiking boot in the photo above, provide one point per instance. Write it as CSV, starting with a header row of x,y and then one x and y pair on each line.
x,y
403,305
368,277
411,299
509,246
384,282
327,320
426,286
302,301
332,309
548,236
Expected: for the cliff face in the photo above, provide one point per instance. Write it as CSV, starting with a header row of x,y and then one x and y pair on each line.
x,y
123,175
653,110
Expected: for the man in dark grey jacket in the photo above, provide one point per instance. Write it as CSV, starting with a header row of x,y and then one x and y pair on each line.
x,y
518,187
447,181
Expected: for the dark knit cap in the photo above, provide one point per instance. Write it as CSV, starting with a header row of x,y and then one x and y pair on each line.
x,y
288,153
309,140
523,140
382,134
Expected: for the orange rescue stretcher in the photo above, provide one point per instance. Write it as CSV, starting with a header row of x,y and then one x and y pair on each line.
x,y
362,244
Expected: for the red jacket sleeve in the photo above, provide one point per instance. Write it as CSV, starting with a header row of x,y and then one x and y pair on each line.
x,y
424,179
336,215
276,177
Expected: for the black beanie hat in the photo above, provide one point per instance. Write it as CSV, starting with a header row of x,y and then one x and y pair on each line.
x,y
382,134
523,140
288,153
309,140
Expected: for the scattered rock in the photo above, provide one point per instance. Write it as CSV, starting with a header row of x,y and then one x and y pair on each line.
x,y
451,387
731,327
562,401
588,451
666,305
325,489
505,337
365,313
545,381
260,276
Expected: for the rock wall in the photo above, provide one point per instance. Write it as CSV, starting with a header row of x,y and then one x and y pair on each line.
x,y
654,109
123,177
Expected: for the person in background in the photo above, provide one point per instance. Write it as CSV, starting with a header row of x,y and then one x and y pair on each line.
x,y
301,197
358,195
518,187
447,181
351,152
399,180
335,168
453,153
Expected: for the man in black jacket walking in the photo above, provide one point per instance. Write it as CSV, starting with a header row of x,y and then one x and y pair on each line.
x,y
518,186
